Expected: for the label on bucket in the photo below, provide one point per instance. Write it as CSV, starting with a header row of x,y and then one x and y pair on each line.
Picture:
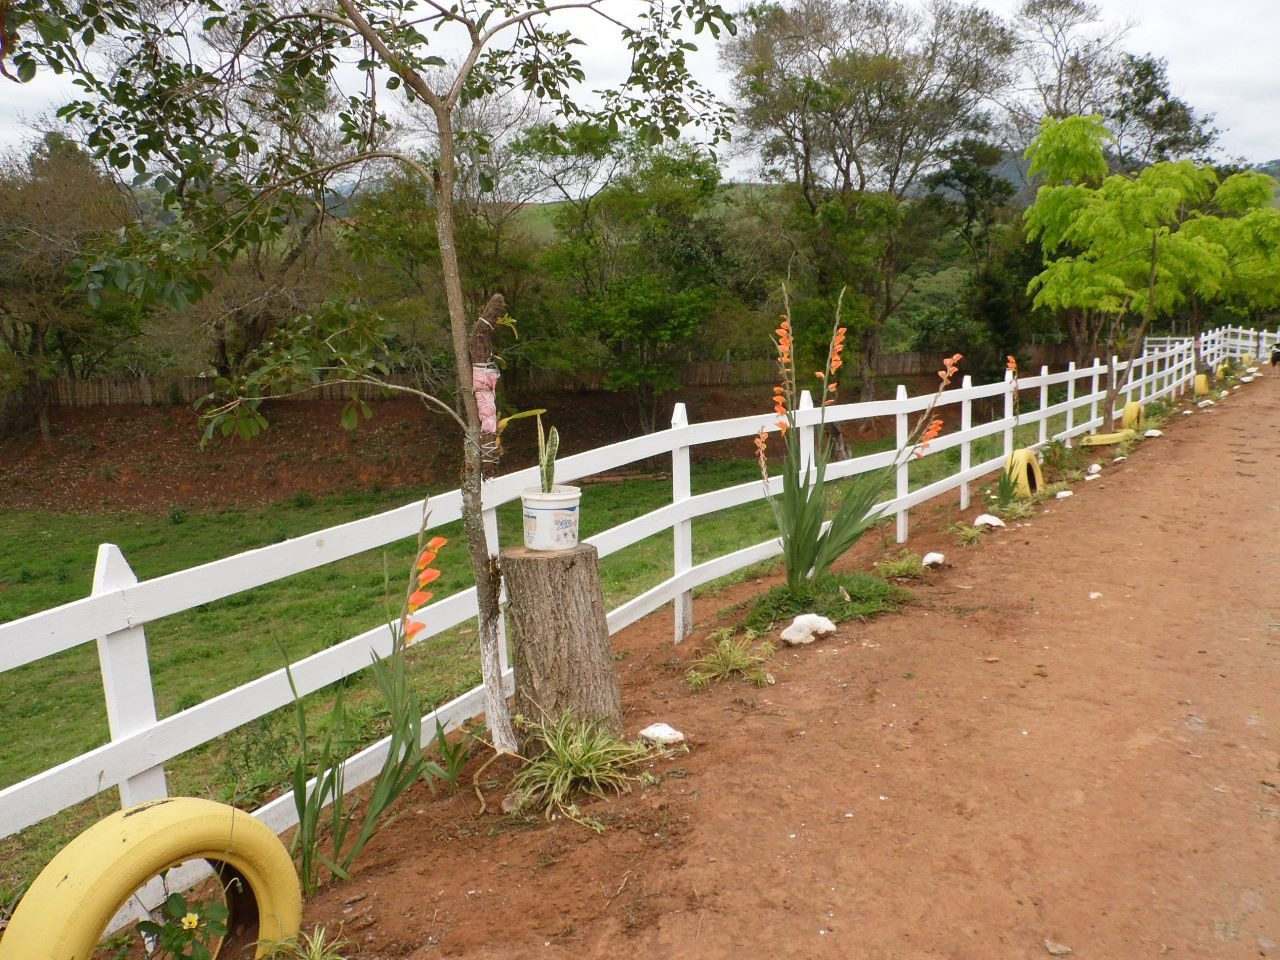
x,y
550,528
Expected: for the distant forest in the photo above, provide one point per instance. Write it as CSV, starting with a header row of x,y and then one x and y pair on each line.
x,y
890,181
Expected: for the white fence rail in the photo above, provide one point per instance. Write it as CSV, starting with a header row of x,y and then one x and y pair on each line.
x,y
1221,344
116,614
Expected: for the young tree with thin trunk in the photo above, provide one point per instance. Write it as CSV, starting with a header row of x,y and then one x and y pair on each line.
x,y
196,87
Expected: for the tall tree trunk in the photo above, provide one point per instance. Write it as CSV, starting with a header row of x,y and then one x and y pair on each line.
x,y
484,564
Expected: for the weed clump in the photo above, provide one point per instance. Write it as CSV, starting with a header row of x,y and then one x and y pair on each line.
x,y
838,597
575,757
730,656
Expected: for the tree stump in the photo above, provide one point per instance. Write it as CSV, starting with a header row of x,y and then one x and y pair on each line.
x,y
562,657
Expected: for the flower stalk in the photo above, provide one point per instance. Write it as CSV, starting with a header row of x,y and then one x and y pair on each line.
x,y
810,544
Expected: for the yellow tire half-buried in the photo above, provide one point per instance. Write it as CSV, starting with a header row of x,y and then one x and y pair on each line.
x,y
1024,468
1097,440
1133,416
65,912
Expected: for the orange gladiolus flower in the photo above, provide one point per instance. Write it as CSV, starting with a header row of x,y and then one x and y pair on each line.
x,y
935,428
418,598
427,576
949,367
1011,365
819,374
435,543
761,453
831,387
411,629
783,426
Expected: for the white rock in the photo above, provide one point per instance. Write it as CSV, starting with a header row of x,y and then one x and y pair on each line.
x,y
1056,949
1093,476
1119,459
1205,403
1094,595
1095,468
1246,379
933,560
807,628
1062,494
1223,395
1154,433
1252,369
662,733
1187,413
987,520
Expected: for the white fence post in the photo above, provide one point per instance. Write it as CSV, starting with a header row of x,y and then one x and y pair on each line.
x,y
1008,416
903,486
966,448
126,677
1093,391
1044,402
1071,401
682,531
495,547
807,466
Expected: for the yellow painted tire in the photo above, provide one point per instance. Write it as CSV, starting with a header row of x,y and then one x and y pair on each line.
x,y
65,912
1097,440
1024,468
1133,416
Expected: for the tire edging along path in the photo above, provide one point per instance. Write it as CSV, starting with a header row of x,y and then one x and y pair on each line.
x,y
1072,735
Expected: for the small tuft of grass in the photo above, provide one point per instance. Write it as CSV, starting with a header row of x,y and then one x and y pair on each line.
x,y
966,535
577,757
837,596
902,566
315,945
1053,489
1015,510
730,656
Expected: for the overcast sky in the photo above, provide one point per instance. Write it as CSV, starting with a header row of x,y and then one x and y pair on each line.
x,y
1222,59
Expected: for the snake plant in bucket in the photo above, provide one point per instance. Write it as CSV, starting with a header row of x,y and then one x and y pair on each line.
x,y
550,510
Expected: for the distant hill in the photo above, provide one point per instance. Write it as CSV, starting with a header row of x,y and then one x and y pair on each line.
x,y
1271,166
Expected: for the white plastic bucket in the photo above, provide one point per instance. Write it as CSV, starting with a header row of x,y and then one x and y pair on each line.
x,y
551,519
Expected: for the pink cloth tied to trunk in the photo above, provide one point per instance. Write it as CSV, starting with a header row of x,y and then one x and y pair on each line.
x,y
485,382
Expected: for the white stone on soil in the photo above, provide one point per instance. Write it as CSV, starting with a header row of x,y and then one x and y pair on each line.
x,y
933,560
1095,468
661,733
807,628
1205,403
1062,494
1154,433
987,520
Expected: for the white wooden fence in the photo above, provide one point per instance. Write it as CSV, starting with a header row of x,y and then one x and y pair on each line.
x,y
114,616
1222,344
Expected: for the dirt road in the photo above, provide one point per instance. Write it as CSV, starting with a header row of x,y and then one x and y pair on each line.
x,y
1073,735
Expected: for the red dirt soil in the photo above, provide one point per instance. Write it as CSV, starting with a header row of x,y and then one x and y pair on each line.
x,y
1071,735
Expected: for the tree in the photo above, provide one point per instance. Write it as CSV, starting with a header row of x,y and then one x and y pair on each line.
x,y
643,262
1149,123
197,86
1124,244
1070,61
55,208
854,103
